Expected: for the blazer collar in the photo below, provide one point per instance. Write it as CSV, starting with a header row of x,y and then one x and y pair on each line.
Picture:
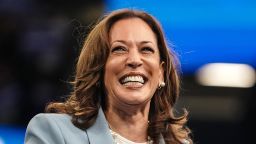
x,y
99,132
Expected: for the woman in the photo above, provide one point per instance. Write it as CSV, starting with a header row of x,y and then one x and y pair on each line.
x,y
125,88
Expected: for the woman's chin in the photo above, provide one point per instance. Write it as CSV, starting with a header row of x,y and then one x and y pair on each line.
x,y
134,99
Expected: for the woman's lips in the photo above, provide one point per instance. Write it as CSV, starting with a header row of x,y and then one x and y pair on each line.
x,y
133,79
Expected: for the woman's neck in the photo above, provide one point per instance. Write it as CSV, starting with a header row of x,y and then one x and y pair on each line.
x,y
130,123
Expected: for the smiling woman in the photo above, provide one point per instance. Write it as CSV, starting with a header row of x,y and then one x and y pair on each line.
x,y
133,69
125,88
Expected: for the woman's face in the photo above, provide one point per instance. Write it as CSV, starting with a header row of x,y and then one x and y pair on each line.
x,y
133,69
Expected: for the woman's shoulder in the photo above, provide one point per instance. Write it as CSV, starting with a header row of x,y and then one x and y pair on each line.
x,y
54,128
48,119
56,121
52,117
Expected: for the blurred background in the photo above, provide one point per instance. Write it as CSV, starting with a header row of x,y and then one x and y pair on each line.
x,y
215,41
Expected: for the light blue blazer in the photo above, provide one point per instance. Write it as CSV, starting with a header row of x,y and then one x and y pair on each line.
x,y
58,129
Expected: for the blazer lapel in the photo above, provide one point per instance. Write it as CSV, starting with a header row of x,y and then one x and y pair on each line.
x,y
99,132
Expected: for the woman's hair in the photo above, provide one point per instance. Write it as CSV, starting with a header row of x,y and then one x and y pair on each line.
x,y
88,93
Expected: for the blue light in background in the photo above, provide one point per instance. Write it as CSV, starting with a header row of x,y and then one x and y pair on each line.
x,y
204,31
11,135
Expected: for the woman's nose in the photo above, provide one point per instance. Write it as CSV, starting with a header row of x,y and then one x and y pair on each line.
x,y
134,59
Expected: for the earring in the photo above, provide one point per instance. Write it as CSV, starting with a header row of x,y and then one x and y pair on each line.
x,y
161,84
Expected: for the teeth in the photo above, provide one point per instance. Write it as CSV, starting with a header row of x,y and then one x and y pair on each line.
x,y
133,79
133,84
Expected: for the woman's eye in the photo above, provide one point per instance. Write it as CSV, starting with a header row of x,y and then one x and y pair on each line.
x,y
118,49
148,49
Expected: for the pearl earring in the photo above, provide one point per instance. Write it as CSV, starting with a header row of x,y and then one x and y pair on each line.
x,y
161,84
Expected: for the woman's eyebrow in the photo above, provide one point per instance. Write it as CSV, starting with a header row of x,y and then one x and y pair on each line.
x,y
120,41
127,42
146,42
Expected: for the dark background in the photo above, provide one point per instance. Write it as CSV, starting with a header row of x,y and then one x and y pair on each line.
x,y
41,39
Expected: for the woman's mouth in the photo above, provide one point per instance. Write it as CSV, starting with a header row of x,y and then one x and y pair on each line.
x,y
133,80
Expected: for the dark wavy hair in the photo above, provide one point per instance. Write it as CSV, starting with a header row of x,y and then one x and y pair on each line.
x,y
88,93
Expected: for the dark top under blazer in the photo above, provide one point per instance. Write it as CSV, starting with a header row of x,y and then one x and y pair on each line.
x,y
51,128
